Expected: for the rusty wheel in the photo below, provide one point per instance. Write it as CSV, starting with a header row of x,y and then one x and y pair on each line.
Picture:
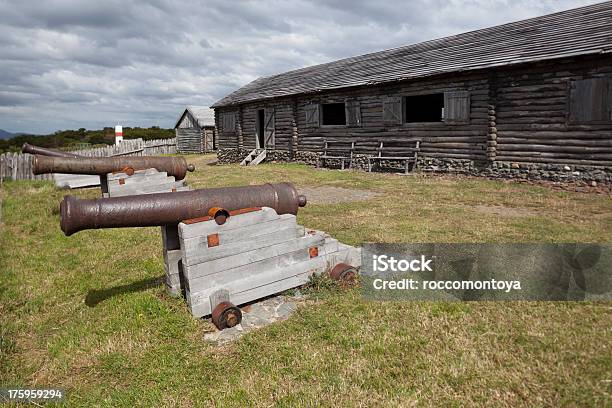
x,y
226,315
344,273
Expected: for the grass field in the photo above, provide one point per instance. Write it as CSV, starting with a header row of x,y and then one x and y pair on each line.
x,y
88,313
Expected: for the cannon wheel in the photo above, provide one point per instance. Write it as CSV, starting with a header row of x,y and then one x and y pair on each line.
x,y
344,273
226,315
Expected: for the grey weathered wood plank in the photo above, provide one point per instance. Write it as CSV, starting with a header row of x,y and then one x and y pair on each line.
x,y
144,187
269,283
198,229
203,253
253,258
243,234
259,273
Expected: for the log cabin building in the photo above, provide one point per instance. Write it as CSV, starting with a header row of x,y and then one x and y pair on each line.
x,y
195,130
531,98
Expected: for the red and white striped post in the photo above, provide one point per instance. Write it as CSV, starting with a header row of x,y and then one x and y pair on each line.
x,y
118,134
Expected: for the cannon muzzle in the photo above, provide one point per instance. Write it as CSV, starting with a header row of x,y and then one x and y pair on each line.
x,y
174,166
28,148
172,208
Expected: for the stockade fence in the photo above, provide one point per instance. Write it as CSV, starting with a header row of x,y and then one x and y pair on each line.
x,y
18,166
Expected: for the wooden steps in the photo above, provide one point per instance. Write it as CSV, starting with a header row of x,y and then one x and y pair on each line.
x,y
255,157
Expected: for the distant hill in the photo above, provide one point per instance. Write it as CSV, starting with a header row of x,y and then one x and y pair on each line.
x,y
6,135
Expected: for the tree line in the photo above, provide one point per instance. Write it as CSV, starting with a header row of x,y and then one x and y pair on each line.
x,y
83,138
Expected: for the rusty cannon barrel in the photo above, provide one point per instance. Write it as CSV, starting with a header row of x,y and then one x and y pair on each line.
x,y
174,166
28,148
171,208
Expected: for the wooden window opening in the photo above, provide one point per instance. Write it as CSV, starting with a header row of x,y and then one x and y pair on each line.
x,y
424,108
333,114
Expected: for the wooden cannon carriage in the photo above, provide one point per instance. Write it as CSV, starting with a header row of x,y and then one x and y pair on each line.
x,y
223,246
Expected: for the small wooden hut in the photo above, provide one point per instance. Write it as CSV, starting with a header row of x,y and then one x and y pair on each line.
x,y
195,130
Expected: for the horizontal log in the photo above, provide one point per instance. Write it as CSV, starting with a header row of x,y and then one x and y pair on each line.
x,y
603,163
558,155
471,156
553,127
535,103
519,96
375,139
504,110
544,134
441,146
399,132
504,116
502,146
556,141
451,151
535,121
531,89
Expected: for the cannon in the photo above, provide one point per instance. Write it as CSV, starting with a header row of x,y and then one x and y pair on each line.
x,y
173,166
223,247
162,209
28,148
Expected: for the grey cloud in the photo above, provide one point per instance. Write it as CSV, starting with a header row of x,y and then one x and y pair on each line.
x,y
71,64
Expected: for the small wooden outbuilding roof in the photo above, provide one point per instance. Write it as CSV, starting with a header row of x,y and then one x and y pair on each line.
x,y
203,115
581,31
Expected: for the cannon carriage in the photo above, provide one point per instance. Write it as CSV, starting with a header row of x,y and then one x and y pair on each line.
x,y
146,174
223,246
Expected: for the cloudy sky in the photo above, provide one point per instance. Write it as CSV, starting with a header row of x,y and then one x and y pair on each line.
x,y
68,64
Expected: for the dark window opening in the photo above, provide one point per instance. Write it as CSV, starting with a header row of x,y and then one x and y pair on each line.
x,y
424,108
334,114
260,127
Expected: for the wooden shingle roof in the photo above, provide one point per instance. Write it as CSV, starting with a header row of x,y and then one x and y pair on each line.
x,y
204,115
581,31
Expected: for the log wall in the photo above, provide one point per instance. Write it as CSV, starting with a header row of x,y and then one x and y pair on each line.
x,y
195,140
189,140
282,125
437,139
228,139
517,114
532,115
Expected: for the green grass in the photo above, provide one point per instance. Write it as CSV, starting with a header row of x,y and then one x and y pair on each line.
x,y
88,312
